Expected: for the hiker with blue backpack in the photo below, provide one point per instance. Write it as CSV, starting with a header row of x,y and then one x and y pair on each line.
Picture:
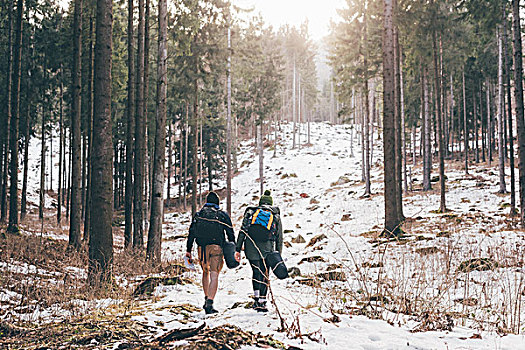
x,y
208,228
262,236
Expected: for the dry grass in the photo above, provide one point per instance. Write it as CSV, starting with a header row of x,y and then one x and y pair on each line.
x,y
43,280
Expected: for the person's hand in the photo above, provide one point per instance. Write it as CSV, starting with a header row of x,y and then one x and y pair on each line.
x,y
237,256
188,255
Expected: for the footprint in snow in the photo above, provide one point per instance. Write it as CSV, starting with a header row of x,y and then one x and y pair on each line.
x,y
374,337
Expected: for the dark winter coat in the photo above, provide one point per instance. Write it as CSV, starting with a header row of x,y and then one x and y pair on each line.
x,y
254,251
224,220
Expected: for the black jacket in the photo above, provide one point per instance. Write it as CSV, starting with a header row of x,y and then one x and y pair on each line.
x,y
223,218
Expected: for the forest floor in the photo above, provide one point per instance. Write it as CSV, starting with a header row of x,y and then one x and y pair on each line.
x,y
453,281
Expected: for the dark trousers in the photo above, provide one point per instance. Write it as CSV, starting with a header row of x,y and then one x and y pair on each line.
x,y
260,277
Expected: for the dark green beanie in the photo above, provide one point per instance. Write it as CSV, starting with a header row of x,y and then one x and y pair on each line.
x,y
266,199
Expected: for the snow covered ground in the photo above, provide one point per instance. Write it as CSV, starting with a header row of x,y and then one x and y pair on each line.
x,y
318,190
384,290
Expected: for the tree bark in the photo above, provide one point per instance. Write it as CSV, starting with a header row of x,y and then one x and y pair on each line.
x,y
500,111
13,143
397,97
186,143
366,120
441,150
489,123
140,144
260,151
518,97
61,151
229,126
130,127
403,126
42,165
465,126
391,215
476,133
294,104
508,65
170,163
101,238
157,200
195,141
8,116
483,129
147,157
76,214
87,204
427,151
23,204
27,135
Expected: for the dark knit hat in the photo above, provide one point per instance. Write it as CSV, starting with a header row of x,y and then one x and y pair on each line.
x,y
266,198
212,198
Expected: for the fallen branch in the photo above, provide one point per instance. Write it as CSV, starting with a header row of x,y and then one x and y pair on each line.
x,y
179,334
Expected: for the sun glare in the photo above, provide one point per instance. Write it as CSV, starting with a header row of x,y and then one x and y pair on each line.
x,y
294,12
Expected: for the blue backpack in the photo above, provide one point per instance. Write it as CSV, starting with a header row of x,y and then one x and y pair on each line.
x,y
263,226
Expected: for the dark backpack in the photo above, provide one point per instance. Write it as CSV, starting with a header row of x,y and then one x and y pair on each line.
x,y
208,228
263,226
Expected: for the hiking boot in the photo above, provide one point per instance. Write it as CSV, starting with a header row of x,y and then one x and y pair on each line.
x,y
205,301
260,306
208,307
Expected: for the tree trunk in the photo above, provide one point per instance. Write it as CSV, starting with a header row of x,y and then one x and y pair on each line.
x,y
229,126
27,135
75,214
299,112
362,139
157,200
186,139
413,144
181,161
260,151
61,151
101,238
397,96
489,123
42,165
8,116
130,127
518,97
201,155
352,125
170,163
441,149
465,126
452,105
13,143
87,204
500,111
70,162
195,140
483,129
508,65
366,116
147,157
476,133
140,146
23,204
294,103
403,123
427,151
391,215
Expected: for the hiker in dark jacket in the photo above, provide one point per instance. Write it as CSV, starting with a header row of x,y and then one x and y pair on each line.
x,y
208,228
259,241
